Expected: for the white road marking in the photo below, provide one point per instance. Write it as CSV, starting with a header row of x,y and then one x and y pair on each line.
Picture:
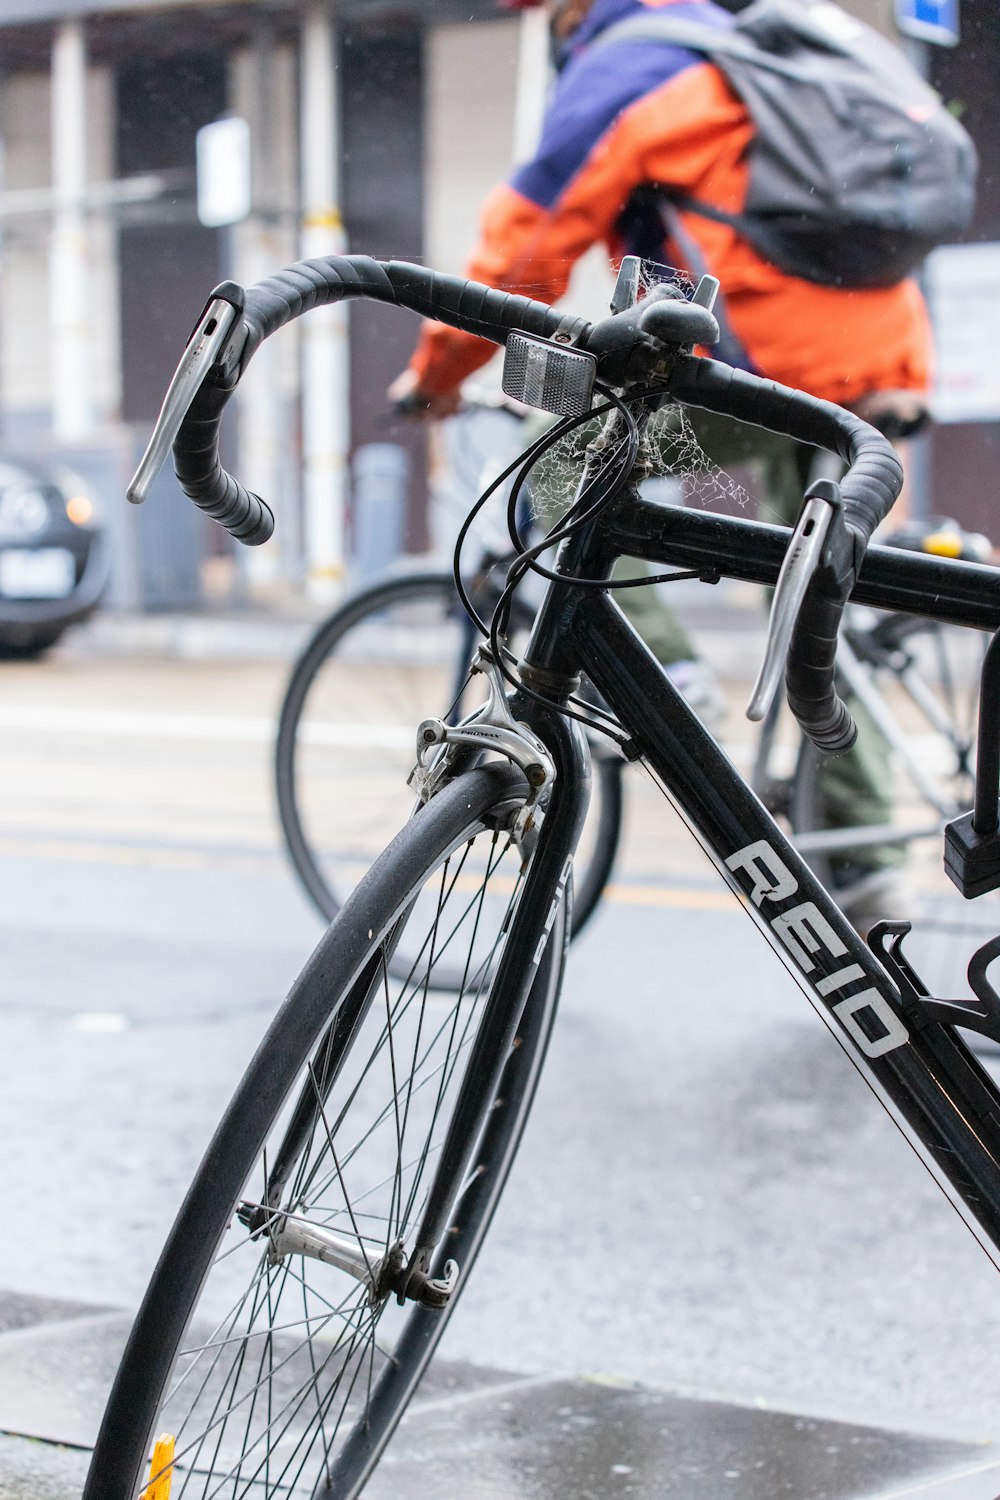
x,y
144,724
106,1022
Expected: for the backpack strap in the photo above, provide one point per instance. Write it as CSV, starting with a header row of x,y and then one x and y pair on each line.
x,y
728,348
728,41
756,230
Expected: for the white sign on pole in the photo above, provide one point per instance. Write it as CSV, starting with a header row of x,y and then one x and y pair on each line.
x,y
963,288
930,20
223,163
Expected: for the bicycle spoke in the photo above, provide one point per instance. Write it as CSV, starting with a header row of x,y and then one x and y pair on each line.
x,y
286,1370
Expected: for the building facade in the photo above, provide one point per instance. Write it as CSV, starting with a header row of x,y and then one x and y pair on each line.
x,y
374,125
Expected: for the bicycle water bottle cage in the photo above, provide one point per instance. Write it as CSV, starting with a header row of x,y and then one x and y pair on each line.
x,y
494,728
982,1014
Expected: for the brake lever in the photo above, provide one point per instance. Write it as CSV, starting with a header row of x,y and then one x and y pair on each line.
x,y
802,558
203,350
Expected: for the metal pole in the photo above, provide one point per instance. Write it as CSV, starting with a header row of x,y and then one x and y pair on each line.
x,y
325,413
72,414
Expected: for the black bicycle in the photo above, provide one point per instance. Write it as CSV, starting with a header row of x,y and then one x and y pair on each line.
x,y
330,1230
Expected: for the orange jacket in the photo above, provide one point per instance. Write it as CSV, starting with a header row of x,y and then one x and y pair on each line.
x,y
633,114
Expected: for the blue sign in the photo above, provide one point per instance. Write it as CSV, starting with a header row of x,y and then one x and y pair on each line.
x,y
930,20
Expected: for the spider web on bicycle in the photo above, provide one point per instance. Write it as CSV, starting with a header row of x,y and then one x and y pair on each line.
x,y
679,470
671,452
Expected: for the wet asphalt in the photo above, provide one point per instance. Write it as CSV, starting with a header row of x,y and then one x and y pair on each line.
x,y
718,1270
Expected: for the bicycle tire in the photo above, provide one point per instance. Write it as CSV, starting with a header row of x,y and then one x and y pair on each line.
x,y
298,1096
339,804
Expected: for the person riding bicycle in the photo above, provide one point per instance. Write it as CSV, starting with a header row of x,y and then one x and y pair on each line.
x,y
620,120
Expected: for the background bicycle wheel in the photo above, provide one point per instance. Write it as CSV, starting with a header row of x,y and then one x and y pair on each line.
x,y
394,655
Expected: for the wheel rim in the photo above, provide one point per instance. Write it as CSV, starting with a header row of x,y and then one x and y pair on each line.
x,y
255,1406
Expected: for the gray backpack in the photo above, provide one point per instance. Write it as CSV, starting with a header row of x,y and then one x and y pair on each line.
x,y
857,170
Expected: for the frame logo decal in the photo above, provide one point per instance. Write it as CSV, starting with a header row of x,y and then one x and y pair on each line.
x,y
553,908
772,879
894,1033
808,936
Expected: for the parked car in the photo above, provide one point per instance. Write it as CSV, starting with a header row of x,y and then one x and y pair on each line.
x,y
54,554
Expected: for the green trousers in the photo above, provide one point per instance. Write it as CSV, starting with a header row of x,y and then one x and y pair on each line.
x,y
856,788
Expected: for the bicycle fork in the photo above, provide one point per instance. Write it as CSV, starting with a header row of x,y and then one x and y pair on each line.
x,y
525,961
563,758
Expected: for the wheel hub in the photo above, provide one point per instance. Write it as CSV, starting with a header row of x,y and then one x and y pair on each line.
x,y
289,1234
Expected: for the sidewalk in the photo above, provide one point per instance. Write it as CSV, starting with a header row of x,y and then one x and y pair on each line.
x,y
727,621
482,1434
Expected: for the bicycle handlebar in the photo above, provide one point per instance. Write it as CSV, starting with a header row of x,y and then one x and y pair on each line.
x,y
868,490
644,343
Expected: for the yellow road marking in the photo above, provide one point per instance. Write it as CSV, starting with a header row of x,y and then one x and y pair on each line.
x,y
111,854
92,852
658,895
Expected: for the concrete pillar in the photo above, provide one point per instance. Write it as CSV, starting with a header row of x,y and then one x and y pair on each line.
x,y
325,372
258,253
532,82
72,414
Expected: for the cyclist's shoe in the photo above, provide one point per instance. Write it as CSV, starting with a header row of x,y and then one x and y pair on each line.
x,y
700,687
869,896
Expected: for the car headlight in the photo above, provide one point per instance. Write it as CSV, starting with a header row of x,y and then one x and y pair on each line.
x,y
24,510
80,509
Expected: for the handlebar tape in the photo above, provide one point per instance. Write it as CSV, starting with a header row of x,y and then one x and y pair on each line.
x,y
272,303
467,305
204,480
868,490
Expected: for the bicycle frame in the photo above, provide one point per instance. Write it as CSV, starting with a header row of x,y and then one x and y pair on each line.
x,y
924,1075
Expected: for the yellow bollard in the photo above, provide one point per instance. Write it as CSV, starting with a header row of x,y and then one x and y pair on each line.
x,y
161,1469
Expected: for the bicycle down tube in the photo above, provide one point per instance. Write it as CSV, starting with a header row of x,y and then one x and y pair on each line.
x,y
924,1076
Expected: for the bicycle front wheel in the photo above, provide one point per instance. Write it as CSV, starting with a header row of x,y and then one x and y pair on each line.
x,y
395,654
275,1342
